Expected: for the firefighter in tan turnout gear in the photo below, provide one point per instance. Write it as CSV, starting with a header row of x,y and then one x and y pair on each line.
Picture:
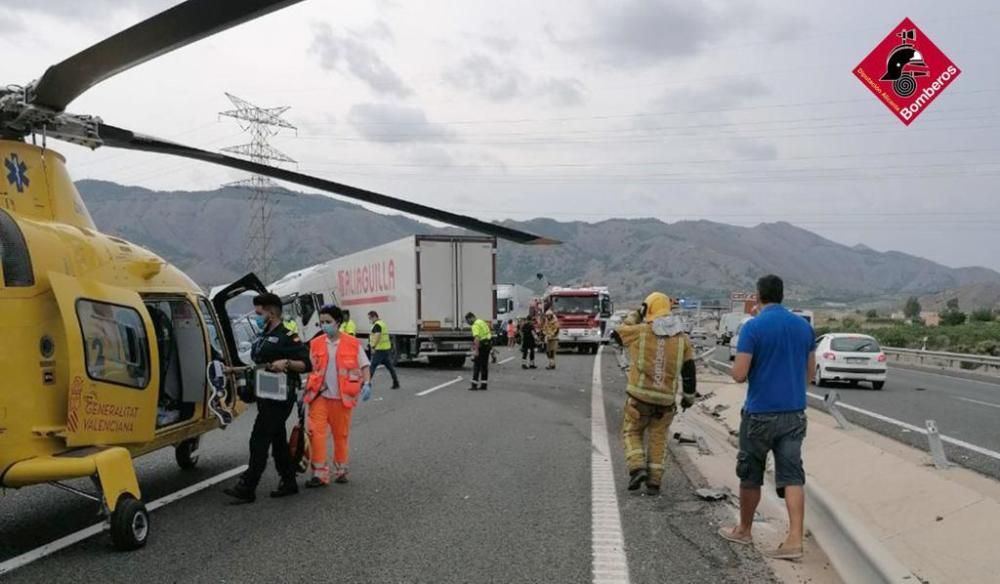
x,y
661,365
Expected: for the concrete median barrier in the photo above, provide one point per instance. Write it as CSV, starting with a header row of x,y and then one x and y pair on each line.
x,y
876,507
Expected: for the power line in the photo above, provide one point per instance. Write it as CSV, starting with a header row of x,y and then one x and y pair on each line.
x,y
744,173
779,106
595,164
553,138
739,125
733,129
669,180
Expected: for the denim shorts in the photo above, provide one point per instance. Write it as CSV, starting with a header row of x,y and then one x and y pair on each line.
x,y
781,433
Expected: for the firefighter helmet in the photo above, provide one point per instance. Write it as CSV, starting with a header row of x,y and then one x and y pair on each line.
x,y
656,305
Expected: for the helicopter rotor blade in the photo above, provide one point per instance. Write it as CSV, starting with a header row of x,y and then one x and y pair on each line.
x,y
171,29
120,138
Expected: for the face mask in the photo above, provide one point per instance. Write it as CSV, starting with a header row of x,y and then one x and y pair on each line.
x,y
329,328
261,321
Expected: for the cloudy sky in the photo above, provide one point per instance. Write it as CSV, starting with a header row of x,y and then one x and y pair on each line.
x,y
741,112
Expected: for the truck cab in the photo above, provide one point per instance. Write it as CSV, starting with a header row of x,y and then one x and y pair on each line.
x,y
302,294
582,313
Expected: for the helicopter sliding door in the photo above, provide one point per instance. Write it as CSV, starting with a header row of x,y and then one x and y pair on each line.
x,y
113,363
248,283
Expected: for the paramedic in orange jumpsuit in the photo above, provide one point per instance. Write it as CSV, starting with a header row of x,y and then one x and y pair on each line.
x,y
341,375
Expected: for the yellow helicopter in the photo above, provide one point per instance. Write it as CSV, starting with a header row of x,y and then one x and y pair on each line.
x,y
107,351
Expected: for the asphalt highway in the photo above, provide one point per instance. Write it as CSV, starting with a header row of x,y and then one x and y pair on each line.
x,y
448,486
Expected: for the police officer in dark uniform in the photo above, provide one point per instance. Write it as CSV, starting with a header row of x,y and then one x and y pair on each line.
x,y
281,351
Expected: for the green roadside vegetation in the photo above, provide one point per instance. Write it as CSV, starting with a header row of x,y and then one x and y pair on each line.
x,y
981,338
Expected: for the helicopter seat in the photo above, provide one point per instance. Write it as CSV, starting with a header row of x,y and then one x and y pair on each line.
x,y
183,359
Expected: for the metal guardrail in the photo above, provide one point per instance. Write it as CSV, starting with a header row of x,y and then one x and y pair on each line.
x,y
983,364
961,357
856,554
720,366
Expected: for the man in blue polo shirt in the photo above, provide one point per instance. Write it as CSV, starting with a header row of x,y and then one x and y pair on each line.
x,y
775,353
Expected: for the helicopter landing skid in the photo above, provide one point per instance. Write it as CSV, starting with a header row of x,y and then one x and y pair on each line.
x,y
113,476
98,497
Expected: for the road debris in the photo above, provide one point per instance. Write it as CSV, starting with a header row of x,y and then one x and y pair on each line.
x,y
709,494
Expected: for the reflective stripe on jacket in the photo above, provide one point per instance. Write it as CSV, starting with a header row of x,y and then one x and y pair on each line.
x,y
349,378
654,376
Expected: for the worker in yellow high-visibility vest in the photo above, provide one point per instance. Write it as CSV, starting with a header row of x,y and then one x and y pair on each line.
x,y
381,346
482,346
348,325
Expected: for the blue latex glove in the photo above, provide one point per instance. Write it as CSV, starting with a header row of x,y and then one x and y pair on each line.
x,y
366,392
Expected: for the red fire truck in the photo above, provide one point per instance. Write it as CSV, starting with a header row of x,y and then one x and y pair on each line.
x,y
582,313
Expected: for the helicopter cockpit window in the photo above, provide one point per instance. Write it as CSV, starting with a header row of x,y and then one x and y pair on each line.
x,y
115,345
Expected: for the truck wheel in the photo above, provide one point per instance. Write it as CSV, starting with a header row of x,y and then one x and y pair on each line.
x,y
878,385
129,524
186,454
456,362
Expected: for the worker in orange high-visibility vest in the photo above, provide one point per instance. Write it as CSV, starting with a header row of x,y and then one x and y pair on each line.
x,y
332,391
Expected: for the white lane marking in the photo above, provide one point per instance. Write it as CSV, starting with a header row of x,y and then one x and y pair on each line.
x,y
508,359
955,441
607,539
437,387
88,532
186,491
992,384
976,401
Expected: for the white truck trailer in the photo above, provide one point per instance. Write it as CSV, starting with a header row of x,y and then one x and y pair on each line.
x,y
421,286
513,301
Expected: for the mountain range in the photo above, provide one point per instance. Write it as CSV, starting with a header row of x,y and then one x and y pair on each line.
x,y
969,297
205,234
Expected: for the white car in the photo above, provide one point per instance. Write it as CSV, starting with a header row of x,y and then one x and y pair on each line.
x,y
851,358
614,321
735,341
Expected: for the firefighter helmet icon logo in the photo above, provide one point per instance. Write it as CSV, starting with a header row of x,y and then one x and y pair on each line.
x,y
906,71
904,64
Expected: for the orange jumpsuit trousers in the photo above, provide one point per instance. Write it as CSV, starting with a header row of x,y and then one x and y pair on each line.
x,y
326,413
